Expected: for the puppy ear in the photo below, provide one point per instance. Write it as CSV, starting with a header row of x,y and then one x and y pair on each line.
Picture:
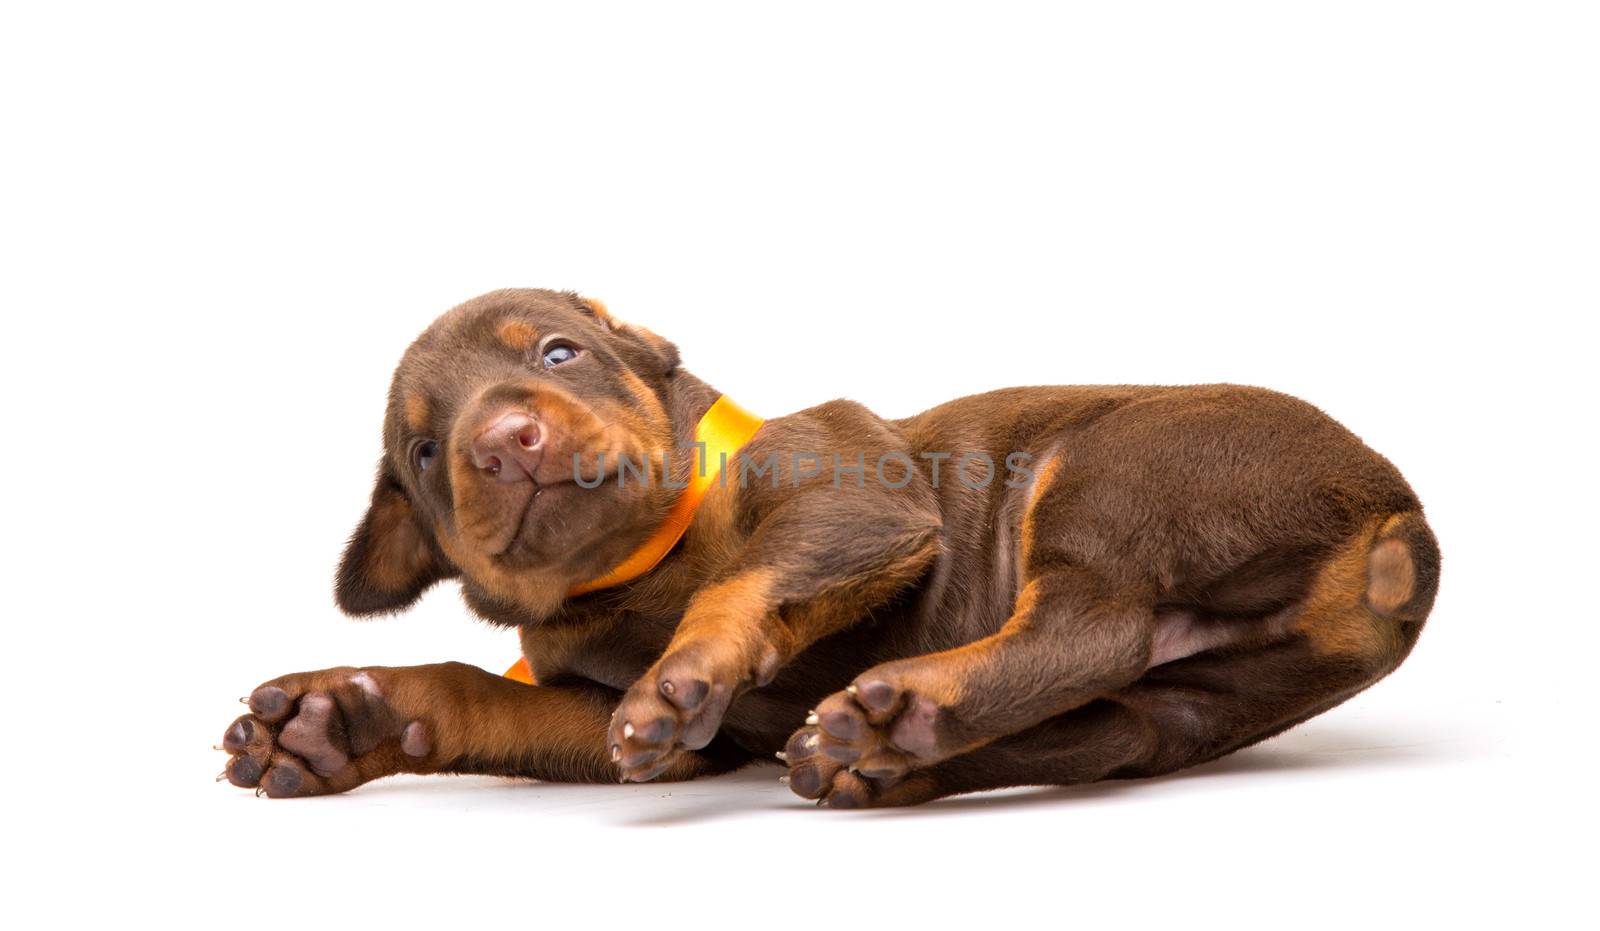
x,y
666,354
389,561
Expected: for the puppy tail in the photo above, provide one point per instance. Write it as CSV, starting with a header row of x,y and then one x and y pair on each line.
x,y
1403,569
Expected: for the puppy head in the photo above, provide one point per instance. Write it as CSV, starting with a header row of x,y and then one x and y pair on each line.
x,y
495,415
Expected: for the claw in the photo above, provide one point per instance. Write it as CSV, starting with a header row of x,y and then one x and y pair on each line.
x,y
216,746
783,780
812,719
850,689
627,729
782,756
221,776
260,791
245,700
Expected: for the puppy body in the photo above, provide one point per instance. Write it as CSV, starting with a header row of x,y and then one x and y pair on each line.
x,y
1031,586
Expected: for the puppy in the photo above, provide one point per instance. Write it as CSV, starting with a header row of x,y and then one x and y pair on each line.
x,y
1036,586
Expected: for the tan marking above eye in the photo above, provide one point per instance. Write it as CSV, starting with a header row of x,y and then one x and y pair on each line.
x,y
517,335
417,413
600,309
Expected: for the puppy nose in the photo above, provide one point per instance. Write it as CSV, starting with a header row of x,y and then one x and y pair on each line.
x,y
510,449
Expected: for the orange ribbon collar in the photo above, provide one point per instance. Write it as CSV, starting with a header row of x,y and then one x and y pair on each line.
x,y
721,433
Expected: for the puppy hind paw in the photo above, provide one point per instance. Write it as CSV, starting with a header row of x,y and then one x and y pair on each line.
x,y
816,775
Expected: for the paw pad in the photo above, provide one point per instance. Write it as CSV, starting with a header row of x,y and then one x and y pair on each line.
x,y
862,742
676,706
305,735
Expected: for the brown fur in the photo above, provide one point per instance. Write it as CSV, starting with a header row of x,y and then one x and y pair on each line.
x,y
1184,572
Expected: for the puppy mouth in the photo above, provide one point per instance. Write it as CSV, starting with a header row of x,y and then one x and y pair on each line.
x,y
538,497
564,521
541,519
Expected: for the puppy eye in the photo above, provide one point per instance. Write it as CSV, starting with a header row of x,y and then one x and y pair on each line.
x,y
424,453
557,353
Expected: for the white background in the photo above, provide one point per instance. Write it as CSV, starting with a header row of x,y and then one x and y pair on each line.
x,y
222,224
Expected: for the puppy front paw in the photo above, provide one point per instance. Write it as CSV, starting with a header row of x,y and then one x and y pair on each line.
x,y
319,733
677,706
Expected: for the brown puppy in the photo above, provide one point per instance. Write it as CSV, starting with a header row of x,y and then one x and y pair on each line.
x,y
1032,586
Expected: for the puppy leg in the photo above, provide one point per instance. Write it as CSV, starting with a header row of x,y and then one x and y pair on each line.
x,y
734,636
1178,716
1350,630
321,732
731,639
1071,638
